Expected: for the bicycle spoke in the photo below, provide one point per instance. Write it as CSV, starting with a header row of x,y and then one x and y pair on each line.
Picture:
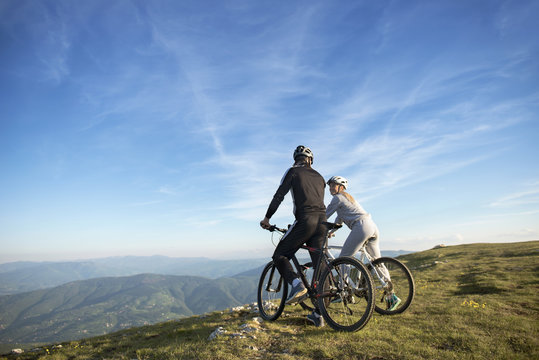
x,y
394,286
347,300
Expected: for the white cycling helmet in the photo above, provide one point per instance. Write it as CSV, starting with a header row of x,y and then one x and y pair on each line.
x,y
303,151
339,180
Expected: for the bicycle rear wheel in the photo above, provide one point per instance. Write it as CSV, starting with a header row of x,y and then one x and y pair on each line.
x,y
272,291
345,296
400,282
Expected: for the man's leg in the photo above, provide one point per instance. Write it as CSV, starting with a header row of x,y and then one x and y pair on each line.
x,y
287,247
317,240
318,237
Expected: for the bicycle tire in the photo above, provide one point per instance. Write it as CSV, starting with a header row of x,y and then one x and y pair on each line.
x,y
271,294
401,284
345,294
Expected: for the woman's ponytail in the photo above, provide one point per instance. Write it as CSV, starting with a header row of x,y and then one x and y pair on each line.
x,y
348,196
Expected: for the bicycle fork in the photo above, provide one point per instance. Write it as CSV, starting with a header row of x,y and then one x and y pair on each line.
x,y
270,281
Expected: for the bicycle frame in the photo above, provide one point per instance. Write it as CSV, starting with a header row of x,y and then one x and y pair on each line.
x,y
324,257
364,257
311,289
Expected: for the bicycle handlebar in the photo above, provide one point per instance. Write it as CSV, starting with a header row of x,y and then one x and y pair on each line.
x,y
273,228
331,226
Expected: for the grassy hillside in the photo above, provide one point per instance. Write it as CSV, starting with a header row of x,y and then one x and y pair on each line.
x,y
476,301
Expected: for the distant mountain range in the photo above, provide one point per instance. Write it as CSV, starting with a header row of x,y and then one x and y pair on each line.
x,y
98,306
19,277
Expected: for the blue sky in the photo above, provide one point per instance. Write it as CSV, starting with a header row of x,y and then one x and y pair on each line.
x,y
164,127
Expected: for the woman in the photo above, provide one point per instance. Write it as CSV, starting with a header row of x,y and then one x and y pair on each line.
x,y
359,221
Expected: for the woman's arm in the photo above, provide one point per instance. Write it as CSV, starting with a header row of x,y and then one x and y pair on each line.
x,y
333,206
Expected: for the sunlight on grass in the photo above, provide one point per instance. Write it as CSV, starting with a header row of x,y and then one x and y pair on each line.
x,y
473,304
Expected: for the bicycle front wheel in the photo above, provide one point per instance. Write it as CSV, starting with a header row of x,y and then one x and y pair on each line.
x,y
394,286
345,296
272,291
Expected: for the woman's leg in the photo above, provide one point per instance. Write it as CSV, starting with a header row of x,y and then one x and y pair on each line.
x,y
373,245
362,230
373,249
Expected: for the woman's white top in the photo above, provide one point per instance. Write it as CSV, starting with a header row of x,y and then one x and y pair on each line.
x,y
348,211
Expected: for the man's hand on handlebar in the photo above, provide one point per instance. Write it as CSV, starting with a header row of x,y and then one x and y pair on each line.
x,y
265,223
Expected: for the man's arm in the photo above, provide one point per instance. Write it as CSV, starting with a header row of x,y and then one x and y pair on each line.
x,y
284,188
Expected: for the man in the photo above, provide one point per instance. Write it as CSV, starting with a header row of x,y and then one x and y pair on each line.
x,y
307,187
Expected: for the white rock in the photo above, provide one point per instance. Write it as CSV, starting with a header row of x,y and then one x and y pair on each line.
x,y
217,332
248,328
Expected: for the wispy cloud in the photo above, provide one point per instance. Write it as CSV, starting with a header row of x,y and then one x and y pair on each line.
x,y
368,135
496,218
362,141
528,196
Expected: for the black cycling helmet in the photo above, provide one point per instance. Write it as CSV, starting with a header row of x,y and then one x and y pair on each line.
x,y
303,151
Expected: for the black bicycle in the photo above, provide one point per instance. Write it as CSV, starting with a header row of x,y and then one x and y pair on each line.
x,y
343,292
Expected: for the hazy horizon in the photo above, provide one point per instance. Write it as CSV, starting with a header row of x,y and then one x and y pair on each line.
x,y
265,256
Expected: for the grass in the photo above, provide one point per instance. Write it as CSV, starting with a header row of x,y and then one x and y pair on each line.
x,y
476,301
